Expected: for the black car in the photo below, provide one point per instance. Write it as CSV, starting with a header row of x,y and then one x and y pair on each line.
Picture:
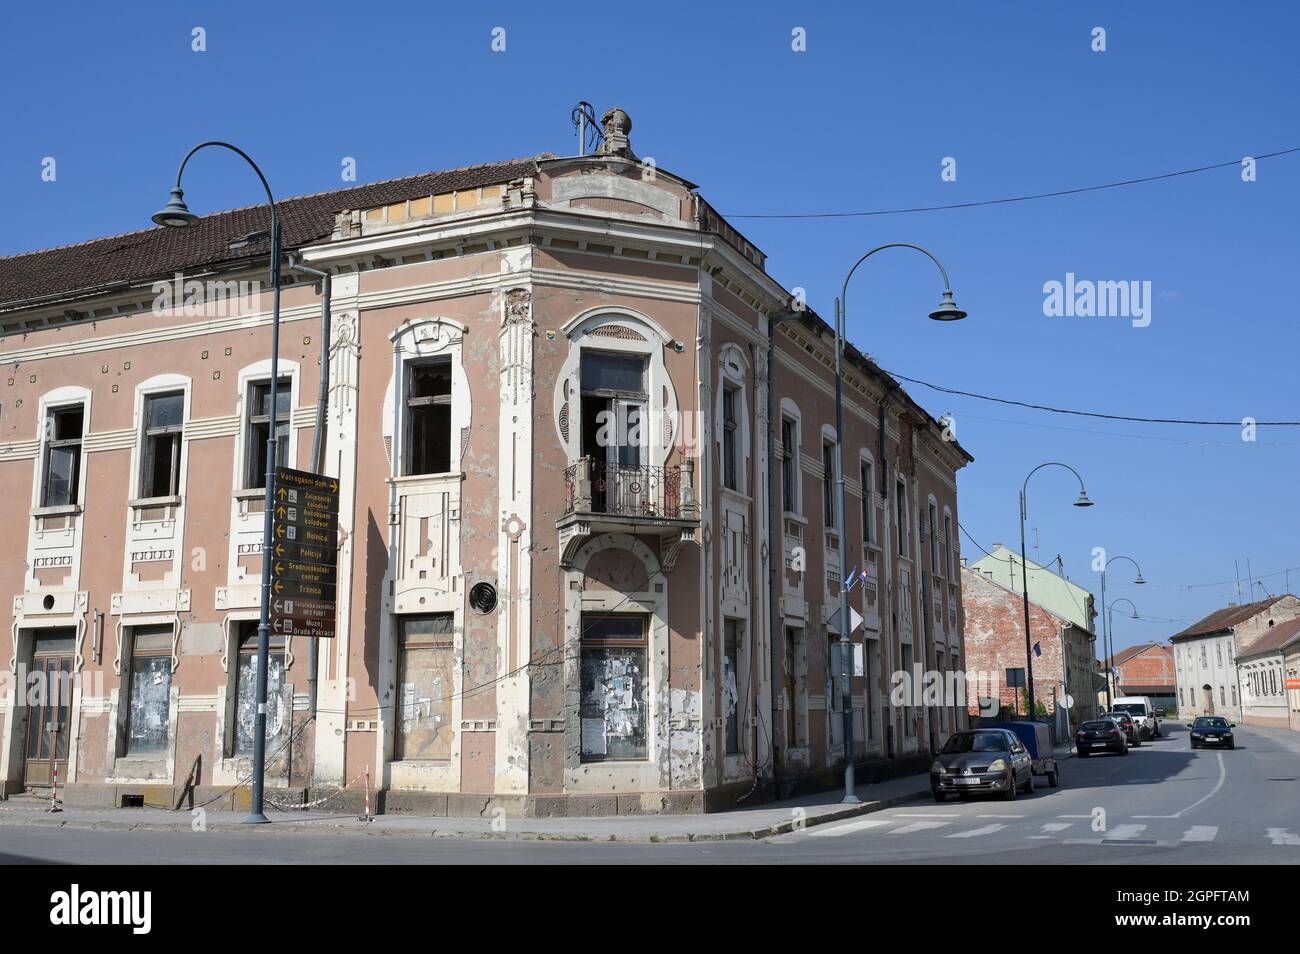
x,y
1100,735
1214,732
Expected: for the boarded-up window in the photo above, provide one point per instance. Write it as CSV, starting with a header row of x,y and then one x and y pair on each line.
x,y
149,690
730,688
613,711
277,714
425,667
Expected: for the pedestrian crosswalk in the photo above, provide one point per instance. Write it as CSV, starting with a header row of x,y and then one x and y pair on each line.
x,y
1067,829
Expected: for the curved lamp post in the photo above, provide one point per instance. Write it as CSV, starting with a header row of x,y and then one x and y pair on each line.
x,y
1105,619
176,214
1083,501
946,310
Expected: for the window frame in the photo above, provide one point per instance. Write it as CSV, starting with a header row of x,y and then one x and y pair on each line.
x,y
149,436
790,470
867,474
132,654
410,403
902,512
251,452
828,484
641,643
731,437
51,443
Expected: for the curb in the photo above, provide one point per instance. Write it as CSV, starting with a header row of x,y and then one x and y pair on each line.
x,y
333,828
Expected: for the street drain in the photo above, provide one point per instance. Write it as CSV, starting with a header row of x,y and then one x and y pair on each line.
x,y
1128,841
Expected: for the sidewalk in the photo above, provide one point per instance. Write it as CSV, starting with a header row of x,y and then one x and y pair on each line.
x,y
762,821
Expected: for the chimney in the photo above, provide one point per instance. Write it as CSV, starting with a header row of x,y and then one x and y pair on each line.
x,y
617,124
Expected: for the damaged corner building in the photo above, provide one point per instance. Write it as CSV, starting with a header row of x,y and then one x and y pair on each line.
x,y
555,431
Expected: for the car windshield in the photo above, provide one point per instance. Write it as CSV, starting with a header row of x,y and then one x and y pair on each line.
x,y
1098,725
1210,722
1132,708
976,742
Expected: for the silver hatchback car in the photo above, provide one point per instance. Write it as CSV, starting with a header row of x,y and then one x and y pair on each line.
x,y
982,760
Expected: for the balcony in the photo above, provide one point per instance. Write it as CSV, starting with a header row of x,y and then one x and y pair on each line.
x,y
645,500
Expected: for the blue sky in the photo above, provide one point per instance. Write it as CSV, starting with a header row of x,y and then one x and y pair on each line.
x,y
862,120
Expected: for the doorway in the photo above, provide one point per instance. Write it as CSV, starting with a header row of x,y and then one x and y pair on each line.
x,y
49,705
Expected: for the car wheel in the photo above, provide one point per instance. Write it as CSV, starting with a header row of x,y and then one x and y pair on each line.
x,y
1029,784
1011,792
1136,743
1123,750
1193,745
1232,745
938,795
1083,754
1051,780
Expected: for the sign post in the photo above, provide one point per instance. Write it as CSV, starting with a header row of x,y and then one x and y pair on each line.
x,y
304,554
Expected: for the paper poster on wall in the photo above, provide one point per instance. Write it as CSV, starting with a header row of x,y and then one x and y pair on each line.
x,y
593,737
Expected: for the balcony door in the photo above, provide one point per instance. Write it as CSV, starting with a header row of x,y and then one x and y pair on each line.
x,y
614,437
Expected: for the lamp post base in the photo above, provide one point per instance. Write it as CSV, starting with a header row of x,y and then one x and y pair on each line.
x,y
850,800
256,818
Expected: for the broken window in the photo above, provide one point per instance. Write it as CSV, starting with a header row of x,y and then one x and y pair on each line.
x,y
789,465
425,666
160,465
277,715
149,689
258,430
730,677
63,431
730,438
613,702
428,417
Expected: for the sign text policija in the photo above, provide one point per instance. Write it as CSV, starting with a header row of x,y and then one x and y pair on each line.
x,y
304,555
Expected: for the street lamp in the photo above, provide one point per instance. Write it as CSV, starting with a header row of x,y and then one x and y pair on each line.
x,y
1083,501
176,214
1105,618
946,310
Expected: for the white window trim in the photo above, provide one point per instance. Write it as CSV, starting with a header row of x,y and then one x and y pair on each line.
x,y
733,372
160,384
251,374
789,410
871,537
414,342
50,401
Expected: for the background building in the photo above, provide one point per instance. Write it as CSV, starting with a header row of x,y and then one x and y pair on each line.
x,y
1047,588
995,643
1146,669
546,410
1205,653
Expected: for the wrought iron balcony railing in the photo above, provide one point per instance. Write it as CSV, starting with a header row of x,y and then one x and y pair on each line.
x,y
640,492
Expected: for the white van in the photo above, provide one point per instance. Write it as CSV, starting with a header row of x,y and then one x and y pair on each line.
x,y
1143,713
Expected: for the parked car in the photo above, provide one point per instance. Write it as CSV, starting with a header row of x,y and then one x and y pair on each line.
x,y
1131,731
1143,713
1100,735
1212,731
988,760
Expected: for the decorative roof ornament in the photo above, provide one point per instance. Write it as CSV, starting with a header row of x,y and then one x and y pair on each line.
x,y
617,124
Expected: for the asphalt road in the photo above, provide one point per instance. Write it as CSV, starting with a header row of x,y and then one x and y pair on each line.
x,y
1161,804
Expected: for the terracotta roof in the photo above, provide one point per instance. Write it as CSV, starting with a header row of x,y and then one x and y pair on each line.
x,y
1226,618
1124,655
158,252
1279,636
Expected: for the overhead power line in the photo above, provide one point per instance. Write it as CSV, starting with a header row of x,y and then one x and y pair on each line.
x,y
1098,414
1015,198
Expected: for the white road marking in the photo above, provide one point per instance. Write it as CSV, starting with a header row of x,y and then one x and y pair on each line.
x,y
1201,833
1001,816
1126,831
927,815
917,826
835,831
1073,816
1223,777
978,832
1056,826
1283,836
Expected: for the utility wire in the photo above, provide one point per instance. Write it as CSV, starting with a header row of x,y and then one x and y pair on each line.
x,y
1010,199
1077,413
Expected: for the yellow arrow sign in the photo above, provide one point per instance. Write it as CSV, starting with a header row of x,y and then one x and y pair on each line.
x,y
278,586
279,549
279,531
279,568
283,493
280,512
